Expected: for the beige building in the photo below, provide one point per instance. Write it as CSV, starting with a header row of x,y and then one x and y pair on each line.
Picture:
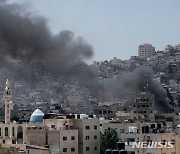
x,y
148,132
58,141
151,138
146,51
89,135
65,134
76,136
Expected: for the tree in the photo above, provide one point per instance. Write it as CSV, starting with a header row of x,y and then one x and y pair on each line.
x,y
15,118
108,139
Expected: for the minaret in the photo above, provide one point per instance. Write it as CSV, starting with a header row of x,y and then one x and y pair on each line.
x,y
7,100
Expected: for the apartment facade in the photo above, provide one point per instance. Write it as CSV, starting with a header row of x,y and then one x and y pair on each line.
x,y
146,50
66,136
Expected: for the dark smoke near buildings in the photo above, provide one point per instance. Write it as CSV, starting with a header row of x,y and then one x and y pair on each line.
x,y
27,38
140,80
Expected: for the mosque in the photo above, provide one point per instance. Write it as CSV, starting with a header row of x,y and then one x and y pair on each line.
x,y
50,135
13,132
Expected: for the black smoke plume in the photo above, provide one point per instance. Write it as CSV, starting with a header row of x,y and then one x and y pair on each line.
x,y
27,38
126,85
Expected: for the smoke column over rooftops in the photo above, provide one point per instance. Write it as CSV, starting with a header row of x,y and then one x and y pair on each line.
x,y
27,38
141,79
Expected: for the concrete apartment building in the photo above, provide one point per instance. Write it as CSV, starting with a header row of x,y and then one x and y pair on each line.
x,y
76,136
57,141
150,138
137,126
143,107
107,111
89,135
150,132
146,50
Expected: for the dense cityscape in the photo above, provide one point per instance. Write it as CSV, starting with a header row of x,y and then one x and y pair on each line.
x,y
55,100
45,117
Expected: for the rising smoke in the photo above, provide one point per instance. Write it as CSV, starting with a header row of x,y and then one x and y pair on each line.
x,y
27,39
140,80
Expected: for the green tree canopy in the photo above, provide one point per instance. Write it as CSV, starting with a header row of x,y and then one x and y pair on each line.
x,y
108,139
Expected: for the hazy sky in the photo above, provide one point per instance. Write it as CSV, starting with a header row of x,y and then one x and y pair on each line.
x,y
114,27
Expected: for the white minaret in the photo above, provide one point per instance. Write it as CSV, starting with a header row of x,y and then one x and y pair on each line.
x,y
7,100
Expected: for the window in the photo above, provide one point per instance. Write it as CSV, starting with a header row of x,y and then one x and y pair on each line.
x,y
87,148
64,138
72,137
64,149
72,149
13,141
13,131
6,131
95,127
52,126
95,136
87,127
172,141
95,148
87,137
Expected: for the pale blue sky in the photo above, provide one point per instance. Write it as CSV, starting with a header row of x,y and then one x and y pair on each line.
x,y
114,27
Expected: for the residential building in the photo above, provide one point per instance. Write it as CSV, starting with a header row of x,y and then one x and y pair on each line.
x,y
146,50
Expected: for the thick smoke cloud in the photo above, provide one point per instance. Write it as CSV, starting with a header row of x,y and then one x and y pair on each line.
x,y
128,84
27,38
